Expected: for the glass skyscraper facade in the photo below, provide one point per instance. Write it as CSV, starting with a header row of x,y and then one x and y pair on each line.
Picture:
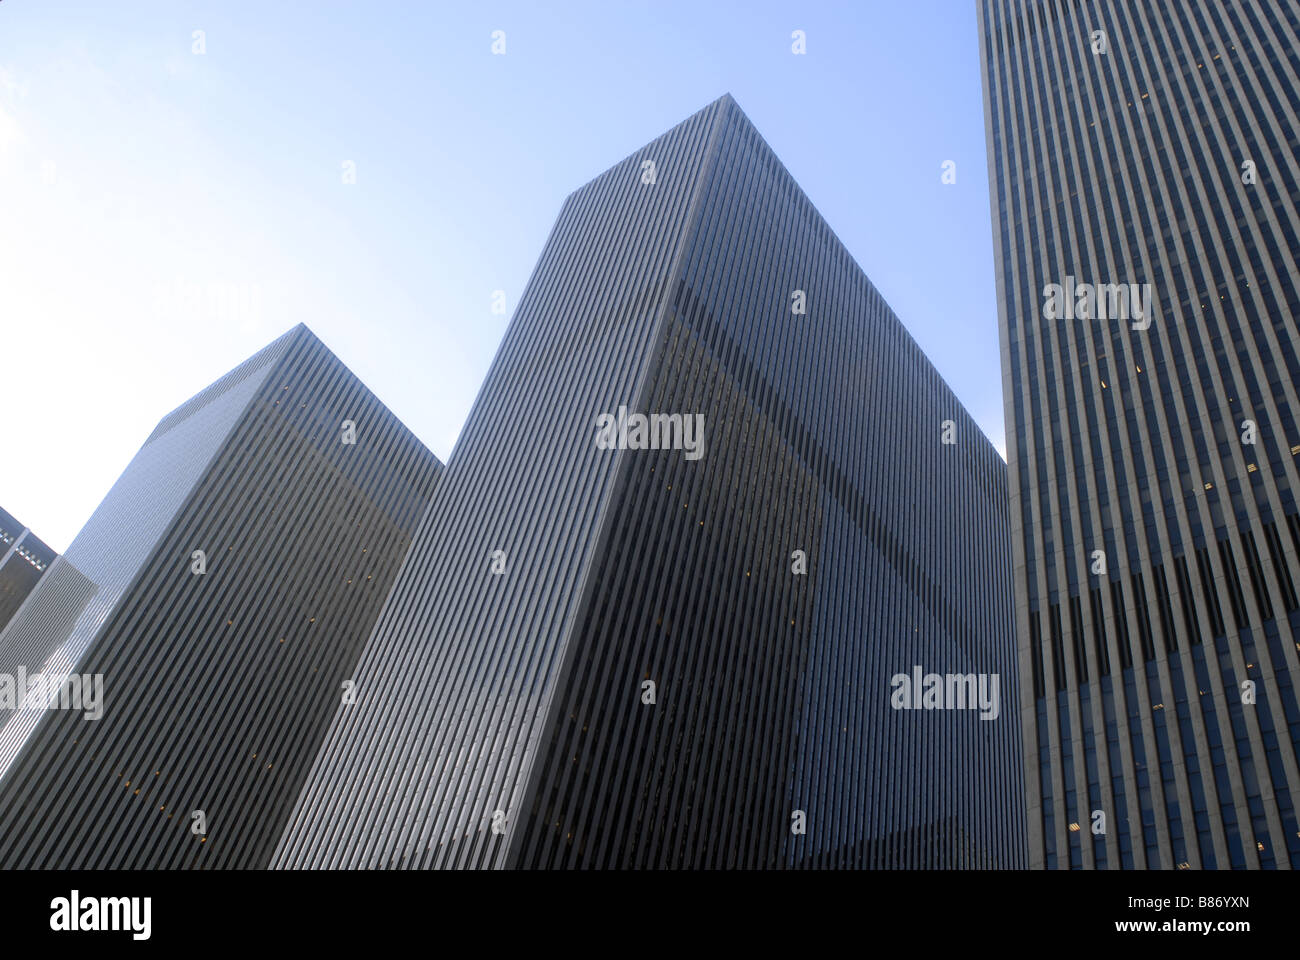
x,y
1144,190
222,591
684,656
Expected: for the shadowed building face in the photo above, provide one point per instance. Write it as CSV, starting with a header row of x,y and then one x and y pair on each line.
x,y
609,650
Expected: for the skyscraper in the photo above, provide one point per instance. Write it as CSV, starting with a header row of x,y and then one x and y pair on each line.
x,y
221,594
686,640
1144,181
24,558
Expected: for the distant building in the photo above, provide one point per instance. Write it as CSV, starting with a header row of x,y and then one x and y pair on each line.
x,y
24,558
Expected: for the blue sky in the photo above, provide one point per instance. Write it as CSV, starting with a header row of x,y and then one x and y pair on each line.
x,y
164,213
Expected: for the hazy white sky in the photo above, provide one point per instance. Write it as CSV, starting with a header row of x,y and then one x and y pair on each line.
x,y
164,213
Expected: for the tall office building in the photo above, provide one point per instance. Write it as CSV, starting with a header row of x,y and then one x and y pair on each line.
x,y
24,558
1145,181
222,593
672,643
